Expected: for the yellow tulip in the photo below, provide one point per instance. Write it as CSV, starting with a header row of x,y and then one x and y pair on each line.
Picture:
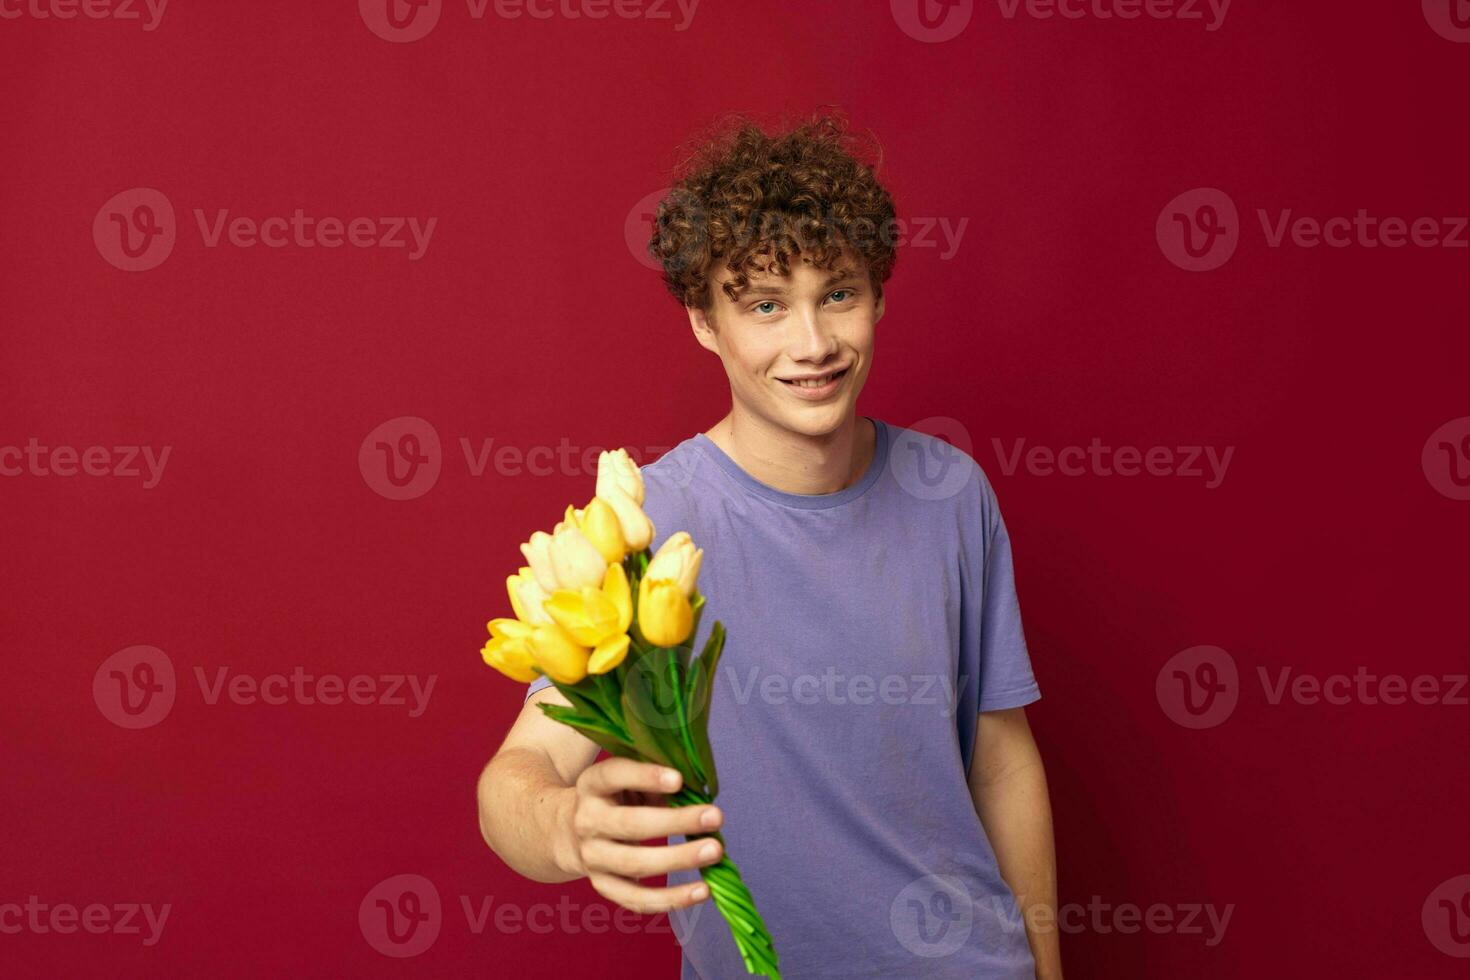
x,y
557,655
616,468
512,657
526,596
575,560
593,616
598,522
608,654
563,560
677,559
664,613
620,485
508,649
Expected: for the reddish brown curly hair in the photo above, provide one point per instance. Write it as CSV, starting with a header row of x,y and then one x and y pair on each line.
x,y
756,200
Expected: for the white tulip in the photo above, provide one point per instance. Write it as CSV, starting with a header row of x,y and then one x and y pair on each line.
x,y
677,559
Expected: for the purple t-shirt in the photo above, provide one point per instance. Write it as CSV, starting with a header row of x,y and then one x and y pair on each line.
x,y
866,629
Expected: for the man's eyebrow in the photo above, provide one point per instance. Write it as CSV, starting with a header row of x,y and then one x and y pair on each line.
x,y
834,279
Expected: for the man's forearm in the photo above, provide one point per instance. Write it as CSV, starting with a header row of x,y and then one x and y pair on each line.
x,y
525,815
1016,814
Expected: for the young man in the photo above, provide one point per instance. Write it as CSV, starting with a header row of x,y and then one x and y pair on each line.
x,y
880,789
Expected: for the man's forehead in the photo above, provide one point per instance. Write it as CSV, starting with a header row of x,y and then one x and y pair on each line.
x,y
770,281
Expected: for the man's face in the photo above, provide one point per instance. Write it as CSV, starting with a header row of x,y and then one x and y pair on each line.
x,y
812,323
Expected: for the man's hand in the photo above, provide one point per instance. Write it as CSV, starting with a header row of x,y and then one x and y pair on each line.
x,y
611,812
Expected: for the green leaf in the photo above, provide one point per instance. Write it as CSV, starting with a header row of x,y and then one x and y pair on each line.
x,y
673,685
589,701
700,694
590,727
651,718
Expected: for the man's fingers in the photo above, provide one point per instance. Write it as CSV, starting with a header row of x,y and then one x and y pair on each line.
x,y
635,861
635,823
611,775
647,901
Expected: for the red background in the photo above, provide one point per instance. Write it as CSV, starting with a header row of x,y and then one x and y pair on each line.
x,y
528,321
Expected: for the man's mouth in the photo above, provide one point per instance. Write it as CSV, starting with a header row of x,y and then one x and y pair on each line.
x,y
818,381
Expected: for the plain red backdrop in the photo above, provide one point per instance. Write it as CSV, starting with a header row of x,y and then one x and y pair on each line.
x,y
529,321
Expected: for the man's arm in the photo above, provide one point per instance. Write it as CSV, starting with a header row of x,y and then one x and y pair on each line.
x,y
1008,784
527,793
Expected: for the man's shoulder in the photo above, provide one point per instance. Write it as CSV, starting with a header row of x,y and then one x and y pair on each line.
x,y
674,470
937,467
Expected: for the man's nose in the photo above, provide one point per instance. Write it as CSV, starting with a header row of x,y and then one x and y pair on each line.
x,y
814,340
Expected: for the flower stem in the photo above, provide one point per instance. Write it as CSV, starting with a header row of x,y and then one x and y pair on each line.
x,y
733,899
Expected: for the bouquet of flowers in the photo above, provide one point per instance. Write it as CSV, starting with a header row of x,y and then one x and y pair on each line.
x,y
626,666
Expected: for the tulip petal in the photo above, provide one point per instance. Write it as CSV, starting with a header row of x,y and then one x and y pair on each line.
x,y
608,654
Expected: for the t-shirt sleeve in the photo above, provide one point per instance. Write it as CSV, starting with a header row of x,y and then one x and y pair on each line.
x,y
1004,662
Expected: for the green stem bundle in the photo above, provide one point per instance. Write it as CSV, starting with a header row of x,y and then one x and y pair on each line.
x,y
733,900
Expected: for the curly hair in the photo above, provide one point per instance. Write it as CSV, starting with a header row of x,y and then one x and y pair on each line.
x,y
757,200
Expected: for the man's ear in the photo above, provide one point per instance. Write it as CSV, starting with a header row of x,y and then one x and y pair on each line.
x,y
878,310
704,331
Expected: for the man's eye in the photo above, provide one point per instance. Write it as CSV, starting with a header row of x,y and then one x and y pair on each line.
x,y
838,297
758,306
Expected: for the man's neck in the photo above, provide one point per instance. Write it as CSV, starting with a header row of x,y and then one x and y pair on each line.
x,y
796,463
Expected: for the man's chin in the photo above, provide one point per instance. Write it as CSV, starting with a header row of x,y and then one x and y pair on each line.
x,y
815,420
